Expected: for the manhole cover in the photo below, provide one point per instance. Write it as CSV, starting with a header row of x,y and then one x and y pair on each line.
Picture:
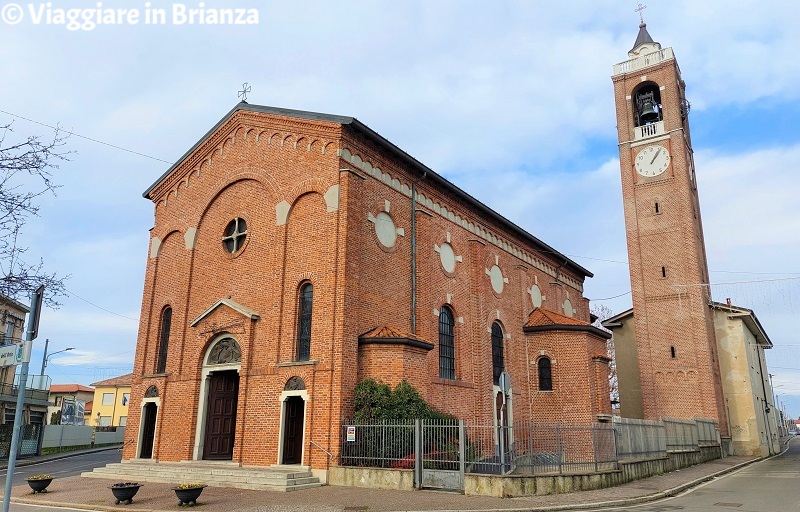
x,y
723,504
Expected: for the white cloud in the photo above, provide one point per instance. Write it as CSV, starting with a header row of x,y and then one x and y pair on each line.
x,y
512,101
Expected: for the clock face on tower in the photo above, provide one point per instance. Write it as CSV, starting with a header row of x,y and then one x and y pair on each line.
x,y
652,161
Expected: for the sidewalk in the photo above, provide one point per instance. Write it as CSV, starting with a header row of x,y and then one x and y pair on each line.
x,y
93,494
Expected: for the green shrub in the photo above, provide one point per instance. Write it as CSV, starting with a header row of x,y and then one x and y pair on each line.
x,y
377,401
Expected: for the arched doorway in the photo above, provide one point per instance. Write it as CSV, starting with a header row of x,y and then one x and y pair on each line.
x,y
293,415
218,401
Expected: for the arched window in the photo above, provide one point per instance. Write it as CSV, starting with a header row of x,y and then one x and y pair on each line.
x,y
163,344
306,298
498,361
545,375
447,348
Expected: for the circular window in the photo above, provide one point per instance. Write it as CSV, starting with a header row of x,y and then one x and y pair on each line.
x,y
496,276
385,229
235,235
448,257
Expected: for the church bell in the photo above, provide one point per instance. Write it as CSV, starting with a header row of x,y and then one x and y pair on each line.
x,y
647,108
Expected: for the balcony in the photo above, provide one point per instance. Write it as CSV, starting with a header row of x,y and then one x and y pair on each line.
x,y
37,390
649,130
643,61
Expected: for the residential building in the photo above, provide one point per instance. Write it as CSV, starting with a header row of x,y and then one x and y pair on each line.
x,y
69,392
111,400
12,317
747,392
752,414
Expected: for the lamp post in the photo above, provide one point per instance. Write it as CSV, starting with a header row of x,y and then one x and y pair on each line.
x,y
46,358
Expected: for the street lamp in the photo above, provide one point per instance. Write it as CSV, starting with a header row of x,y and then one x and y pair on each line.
x,y
46,357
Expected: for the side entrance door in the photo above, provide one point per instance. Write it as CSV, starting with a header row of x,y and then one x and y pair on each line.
x,y
293,430
148,430
223,397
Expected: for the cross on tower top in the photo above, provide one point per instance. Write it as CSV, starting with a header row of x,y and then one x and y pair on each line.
x,y
639,10
243,93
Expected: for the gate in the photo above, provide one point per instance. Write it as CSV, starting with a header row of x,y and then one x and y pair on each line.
x,y
29,441
440,457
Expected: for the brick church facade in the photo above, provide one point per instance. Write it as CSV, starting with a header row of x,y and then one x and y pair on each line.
x,y
285,265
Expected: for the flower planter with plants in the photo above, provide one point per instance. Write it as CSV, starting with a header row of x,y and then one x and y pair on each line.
x,y
39,483
124,492
188,493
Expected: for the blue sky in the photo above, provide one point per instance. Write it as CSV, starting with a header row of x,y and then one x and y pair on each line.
x,y
512,101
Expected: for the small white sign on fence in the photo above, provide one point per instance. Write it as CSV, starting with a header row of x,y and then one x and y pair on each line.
x,y
351,434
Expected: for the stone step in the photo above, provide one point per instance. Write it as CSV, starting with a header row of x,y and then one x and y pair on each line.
x,y
184,475
204,472
215,474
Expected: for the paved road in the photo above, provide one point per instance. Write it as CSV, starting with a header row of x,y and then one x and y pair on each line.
x,y
772,485
70,466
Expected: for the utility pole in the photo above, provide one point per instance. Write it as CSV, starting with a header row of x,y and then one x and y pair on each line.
x,y
30,334
44,357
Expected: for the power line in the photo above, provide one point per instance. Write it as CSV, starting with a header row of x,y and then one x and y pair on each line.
x,y
740,282
99,307
87,138
609,298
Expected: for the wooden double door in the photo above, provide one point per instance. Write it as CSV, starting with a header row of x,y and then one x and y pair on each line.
x,y
220,431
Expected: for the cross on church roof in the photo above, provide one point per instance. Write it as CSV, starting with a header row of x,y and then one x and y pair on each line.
x,y
639,10
246,88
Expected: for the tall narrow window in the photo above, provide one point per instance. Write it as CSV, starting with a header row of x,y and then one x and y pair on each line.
x,y
163,345
498,361
447,348
306,299
545,375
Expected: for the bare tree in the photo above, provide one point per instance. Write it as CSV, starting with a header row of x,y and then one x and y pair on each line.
x,y
603,313
25,175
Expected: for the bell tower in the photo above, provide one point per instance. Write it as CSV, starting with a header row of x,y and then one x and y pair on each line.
x,y
675,340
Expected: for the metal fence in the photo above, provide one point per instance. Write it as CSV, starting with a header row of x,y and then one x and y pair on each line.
x,y
378,444
707,432
533,449
484,448
523,448
682,435
640,438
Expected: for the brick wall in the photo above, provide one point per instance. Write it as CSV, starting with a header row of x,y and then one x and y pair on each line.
x,y
310,195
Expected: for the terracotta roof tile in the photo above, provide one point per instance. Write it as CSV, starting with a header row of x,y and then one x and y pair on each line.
x,y
387,331
69,388
122,380
540,317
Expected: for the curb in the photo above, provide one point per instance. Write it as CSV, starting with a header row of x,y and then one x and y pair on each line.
x,y
57,456
668,493
61,504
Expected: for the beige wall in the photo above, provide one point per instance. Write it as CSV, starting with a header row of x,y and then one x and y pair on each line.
x,y
630,387
745,387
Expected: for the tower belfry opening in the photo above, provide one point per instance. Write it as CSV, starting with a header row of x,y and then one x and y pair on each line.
x,y
647,105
